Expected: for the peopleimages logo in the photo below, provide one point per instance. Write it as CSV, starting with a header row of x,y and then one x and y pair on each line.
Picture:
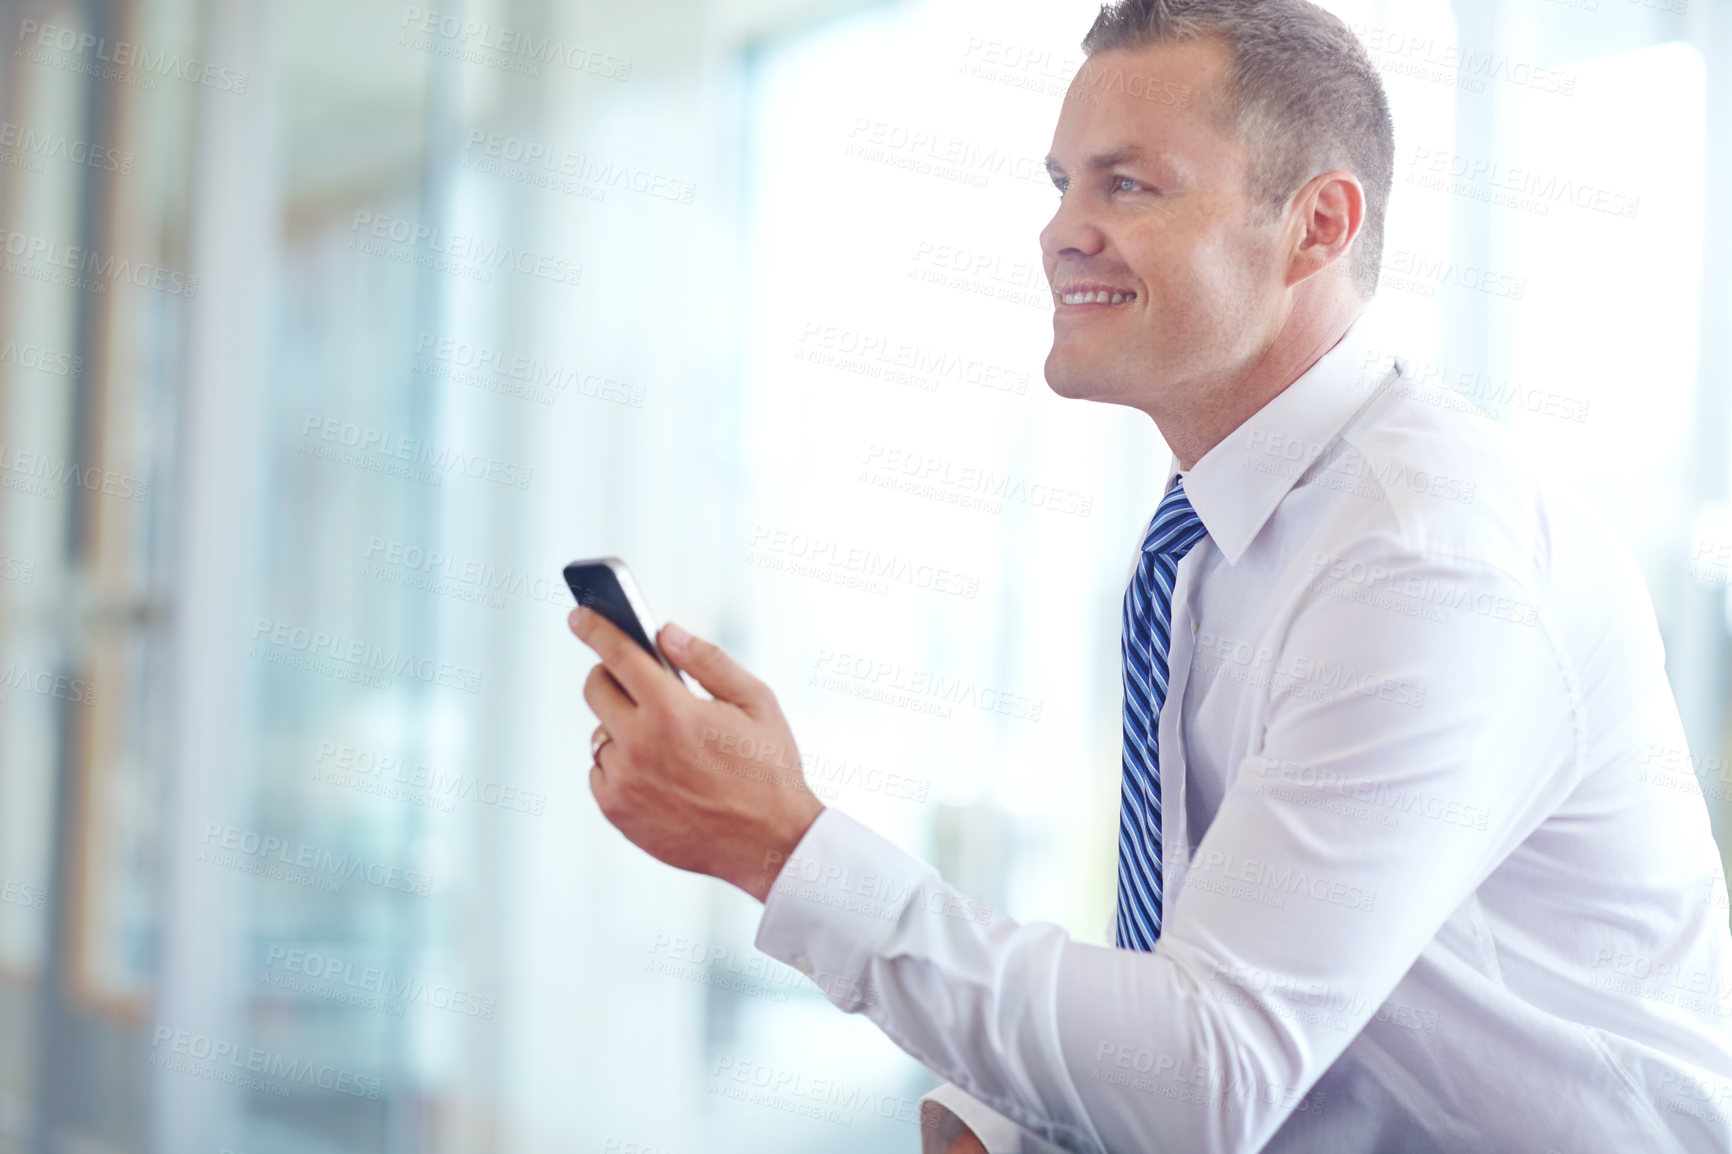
x,y
381,450
483,577
43,360
1420,273
370,987
843,564
798,1092
373,772
173,1046
130,61
73,690
918,690
1310,677
28,142
1270,883
490,369
1513,186
472,40
360,656
936,153
87,269
24,894
968,485
901,362
25,465
454,252
262,849
565,170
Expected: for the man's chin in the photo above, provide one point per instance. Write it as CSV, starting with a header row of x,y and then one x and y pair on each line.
x,y
1063,388
1068,379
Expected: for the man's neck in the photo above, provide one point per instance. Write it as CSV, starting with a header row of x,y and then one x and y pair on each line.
x,y
1301,343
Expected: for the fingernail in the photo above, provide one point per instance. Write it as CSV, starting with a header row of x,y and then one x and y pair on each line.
x,y
579,618
675,638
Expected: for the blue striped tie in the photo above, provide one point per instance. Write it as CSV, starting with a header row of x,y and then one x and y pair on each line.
x,y
1144,643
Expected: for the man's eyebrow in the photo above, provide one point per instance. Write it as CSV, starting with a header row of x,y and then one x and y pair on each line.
x,y
1128,155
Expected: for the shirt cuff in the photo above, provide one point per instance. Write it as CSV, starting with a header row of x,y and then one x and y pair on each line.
x,y
955,1108
836,901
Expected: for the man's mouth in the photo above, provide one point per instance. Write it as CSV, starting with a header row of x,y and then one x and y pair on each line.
x,y
1094,294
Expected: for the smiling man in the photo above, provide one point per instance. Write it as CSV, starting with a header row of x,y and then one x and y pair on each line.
x,y
1410,857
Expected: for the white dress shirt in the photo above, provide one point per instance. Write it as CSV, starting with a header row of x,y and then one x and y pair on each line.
x,y
1438,874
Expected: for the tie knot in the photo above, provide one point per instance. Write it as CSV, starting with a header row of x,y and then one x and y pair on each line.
x,y
1176,526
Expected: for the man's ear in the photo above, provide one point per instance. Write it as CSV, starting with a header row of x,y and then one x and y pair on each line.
x,y
1328,212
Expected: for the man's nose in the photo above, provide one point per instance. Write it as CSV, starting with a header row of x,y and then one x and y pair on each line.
x,y
1070,230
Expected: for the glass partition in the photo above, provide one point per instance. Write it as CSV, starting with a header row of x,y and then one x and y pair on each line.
x,y
330,332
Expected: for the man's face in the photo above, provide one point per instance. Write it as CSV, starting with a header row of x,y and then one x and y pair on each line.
x,y
1155,214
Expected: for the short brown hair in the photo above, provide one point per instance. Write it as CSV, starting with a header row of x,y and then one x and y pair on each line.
x,y
1302,95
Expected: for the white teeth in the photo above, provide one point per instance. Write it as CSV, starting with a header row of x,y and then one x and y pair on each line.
x,y
1097,297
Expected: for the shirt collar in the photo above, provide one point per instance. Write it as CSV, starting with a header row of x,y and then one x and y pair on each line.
x,y
1237,484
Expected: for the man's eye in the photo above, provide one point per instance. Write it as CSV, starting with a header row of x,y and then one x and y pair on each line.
x,y
1126,184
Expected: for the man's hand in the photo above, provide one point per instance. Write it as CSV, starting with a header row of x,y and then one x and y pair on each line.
x,y
709,786
966,1143
942,1132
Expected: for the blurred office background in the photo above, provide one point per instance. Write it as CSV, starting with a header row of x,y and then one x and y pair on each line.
x,y
330,331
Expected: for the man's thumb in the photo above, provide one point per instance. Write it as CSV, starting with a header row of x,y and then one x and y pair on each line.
x,y
725,678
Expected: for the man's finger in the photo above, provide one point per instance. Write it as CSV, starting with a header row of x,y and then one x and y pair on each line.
x,y
726,679
638,673
598,787
608,701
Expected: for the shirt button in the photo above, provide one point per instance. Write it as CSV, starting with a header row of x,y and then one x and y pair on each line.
x,y
803,964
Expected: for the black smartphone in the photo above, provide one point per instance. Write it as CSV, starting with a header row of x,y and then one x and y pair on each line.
x,y
605,585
